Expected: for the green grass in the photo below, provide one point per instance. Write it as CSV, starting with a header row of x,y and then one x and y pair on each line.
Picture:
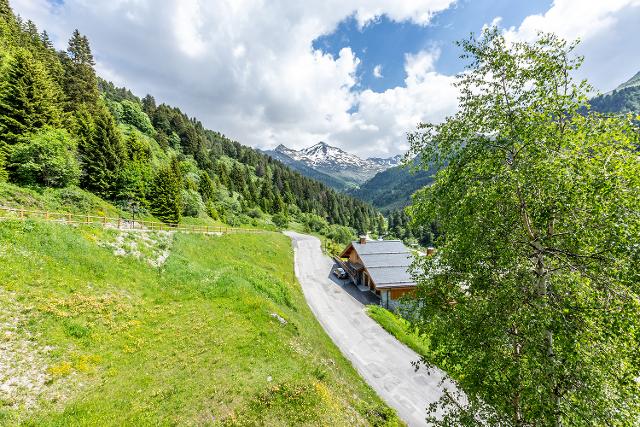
x,y
67,200
112,340
400,328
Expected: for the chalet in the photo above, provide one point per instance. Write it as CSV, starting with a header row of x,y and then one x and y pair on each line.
x,y
382,266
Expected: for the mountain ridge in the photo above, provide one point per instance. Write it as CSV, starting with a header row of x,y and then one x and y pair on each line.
x,y
333,165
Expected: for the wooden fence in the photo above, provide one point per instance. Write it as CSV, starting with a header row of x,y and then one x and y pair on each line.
x,y
119,223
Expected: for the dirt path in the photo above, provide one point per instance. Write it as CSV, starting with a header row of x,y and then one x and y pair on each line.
x,y
383,361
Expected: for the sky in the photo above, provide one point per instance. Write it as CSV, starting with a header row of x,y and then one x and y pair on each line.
x,y
358,75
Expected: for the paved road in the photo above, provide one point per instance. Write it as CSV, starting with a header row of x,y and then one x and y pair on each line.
x,y
382,360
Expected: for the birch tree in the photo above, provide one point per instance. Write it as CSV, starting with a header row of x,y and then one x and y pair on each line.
x,y
532,302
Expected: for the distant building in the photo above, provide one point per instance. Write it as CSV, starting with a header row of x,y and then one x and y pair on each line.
x,y
380,265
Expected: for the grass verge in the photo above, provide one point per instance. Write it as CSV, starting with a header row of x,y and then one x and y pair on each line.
x,y
399,328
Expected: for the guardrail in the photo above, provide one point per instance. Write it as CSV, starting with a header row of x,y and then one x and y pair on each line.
x,y
119,223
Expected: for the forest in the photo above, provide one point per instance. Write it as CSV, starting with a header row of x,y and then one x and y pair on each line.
x,y
62,125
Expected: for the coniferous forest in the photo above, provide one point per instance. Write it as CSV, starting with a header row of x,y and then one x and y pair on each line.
x,y
62,125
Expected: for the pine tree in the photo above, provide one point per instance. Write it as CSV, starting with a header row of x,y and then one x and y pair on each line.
x,y
3,172
101,151
6,13
29,99
205,187
80,81
149,105
166,193
278,204
266,196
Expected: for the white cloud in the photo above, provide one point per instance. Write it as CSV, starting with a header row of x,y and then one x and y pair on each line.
x,y
377,71
383,119
608,31
248,69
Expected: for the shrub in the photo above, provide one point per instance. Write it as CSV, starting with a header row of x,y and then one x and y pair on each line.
x,y
131,113
46,157
254,213
192,203
313,222
340,233
280,220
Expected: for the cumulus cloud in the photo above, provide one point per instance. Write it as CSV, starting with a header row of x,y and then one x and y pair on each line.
x,y
243,67
382,120
248,68
607,30
377,71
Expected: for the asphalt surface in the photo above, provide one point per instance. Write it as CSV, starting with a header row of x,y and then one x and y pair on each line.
x,y
381,360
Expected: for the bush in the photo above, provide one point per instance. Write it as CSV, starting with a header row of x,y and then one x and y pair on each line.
x,y
340,233
47,157
254,213
313,222
280,220
131,113
192,203
212,211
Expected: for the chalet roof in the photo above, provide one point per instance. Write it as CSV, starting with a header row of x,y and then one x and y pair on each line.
x,y
387,262
380,247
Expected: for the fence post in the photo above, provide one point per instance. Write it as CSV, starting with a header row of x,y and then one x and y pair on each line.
x,y
87,219
69,218
21,213
119,223
46,215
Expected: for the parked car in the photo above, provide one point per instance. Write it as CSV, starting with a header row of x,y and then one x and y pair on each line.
x,y
340,273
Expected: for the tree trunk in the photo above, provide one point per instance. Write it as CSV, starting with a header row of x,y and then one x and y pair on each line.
x,y
543,291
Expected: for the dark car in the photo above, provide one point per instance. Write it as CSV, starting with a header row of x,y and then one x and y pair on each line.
x,y
340,273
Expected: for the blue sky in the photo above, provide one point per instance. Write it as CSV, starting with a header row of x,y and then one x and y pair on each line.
x,y
384,43
298,72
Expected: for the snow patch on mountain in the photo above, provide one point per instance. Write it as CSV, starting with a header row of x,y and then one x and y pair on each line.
x,y
325,156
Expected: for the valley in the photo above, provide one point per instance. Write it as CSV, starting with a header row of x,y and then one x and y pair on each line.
x,y
158,268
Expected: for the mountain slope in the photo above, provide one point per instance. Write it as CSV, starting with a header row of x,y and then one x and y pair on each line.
x,y
332,161
62,126
299,166
623,99
392,188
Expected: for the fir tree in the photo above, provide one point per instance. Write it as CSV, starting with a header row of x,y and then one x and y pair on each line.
x,y
166,193
29,99
101,151
80,81
149,105
3,172
205,187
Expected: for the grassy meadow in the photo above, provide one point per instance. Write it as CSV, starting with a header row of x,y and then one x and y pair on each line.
x,y
104,327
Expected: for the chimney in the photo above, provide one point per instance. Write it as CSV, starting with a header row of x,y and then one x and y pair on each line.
x,y
363,240
431,251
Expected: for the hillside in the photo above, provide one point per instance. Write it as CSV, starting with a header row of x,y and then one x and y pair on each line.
x,y
331,181
392,188
623,99
218,334
61,126
345,169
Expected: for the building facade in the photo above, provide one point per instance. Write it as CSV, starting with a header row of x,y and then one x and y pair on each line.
x,y
382,266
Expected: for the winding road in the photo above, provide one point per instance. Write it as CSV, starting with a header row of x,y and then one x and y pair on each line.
x,y
381,360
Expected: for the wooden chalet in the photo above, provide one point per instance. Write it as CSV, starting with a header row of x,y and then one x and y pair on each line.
x,y
382,266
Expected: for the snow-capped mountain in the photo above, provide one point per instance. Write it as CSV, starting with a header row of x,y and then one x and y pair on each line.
x,y
387,162
335,162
